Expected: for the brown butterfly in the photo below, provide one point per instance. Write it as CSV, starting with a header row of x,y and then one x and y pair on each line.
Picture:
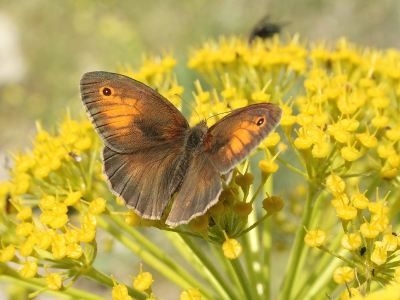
x,y
150,152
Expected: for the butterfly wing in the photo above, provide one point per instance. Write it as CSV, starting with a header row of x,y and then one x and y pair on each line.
x,y
200,190
129,115
141,179
225,145
143,135
229,141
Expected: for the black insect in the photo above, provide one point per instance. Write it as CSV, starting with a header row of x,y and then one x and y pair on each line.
x,y
264,29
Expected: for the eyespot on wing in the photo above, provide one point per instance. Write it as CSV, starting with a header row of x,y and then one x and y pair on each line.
x,y
124,112
234,137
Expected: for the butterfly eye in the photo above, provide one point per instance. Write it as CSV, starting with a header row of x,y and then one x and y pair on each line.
x,y
260,122
106,91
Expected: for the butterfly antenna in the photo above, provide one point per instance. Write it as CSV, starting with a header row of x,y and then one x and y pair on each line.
x,y
189,105
213,116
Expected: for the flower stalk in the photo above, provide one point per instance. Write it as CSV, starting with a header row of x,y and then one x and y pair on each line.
x,y
320,191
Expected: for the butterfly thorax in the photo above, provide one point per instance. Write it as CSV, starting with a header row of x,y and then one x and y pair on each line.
x,y
195,137
192,144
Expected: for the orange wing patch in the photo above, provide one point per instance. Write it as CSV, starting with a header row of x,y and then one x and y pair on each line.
x,y
118,114
241,138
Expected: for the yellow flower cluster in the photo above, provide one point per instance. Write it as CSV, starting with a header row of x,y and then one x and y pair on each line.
x,y
370,250
142,283
244,74
53,179
339,133
345,121
158,73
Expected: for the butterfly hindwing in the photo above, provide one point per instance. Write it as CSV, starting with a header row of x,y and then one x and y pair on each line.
x,y
142,179
199,191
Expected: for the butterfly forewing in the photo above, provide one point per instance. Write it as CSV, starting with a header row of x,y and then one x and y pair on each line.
x,y
129,115
143,135
229,141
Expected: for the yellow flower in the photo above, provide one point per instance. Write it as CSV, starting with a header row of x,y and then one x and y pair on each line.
x,y
190,294
379,255
345,294
315,238
351,241
390,241
97,206
132,218
369,230
24,213
397,275
143,281
391,293
53,281
231,247
119,291
343,274
29,269
335,184
7,253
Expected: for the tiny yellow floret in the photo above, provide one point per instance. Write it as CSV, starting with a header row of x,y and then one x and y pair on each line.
x,y
190,294
29,269
143,281
231,247
351,241
343,274
315,238
97,206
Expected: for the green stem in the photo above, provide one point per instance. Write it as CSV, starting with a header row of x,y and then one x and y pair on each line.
x,y
251,251
266,261
212,239
254,225
97,276
296,151
213,275
293,266
147,251
290,167
348,261
40,284
244,281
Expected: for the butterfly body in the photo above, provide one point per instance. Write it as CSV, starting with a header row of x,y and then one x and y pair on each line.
x,y
191,144
151,153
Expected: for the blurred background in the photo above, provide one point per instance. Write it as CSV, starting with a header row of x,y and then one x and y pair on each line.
x,y
46,46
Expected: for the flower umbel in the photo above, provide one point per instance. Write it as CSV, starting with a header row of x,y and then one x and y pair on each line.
x,y
335,153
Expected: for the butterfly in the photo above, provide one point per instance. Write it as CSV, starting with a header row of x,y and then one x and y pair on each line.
x,y
151,153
